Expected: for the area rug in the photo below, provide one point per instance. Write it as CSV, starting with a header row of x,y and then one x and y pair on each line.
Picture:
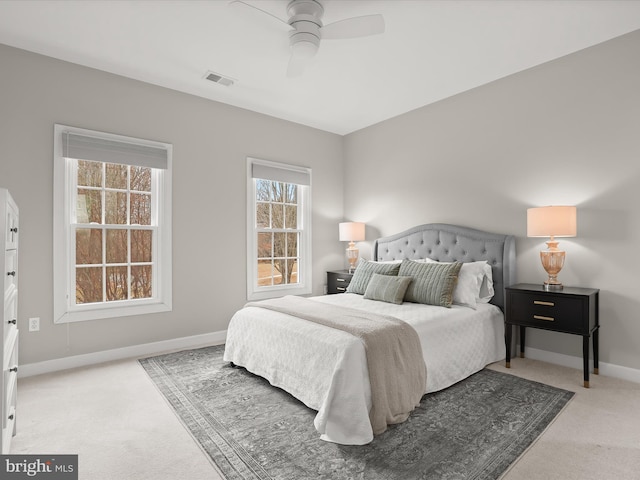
x,y
251,430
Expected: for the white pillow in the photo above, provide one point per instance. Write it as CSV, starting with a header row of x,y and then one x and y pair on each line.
x,y
475,283
486,289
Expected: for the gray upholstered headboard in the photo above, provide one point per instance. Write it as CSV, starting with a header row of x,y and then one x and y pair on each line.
x,y
452,243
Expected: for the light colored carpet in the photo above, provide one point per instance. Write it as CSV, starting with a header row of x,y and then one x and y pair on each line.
x,y
119,424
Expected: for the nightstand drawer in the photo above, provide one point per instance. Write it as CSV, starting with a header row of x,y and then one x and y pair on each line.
x,y
565,314
338,281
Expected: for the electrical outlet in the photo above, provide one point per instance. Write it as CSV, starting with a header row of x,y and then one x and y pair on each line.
x,y
34,324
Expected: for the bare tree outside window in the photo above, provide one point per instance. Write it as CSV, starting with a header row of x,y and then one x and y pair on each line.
x,y
278,232
113,251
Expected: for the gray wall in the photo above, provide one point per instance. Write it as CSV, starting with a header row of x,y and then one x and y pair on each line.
x,y
211,142
566,132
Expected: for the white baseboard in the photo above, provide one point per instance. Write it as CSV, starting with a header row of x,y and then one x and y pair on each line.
x,y
48,366
608,369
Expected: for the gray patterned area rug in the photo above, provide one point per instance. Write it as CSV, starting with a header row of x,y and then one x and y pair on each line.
x,y
251,430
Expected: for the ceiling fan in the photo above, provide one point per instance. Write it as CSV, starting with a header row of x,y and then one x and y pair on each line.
x,y
306,30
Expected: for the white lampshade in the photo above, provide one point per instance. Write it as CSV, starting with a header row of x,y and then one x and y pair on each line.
x,y
351,231
552,221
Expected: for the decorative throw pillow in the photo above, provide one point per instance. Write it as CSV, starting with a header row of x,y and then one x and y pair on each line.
x,y
433,283
387,288
364,272
472,286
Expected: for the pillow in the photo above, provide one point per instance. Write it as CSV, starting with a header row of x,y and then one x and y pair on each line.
x,y
486,289
469,289
387,288
364,272
433,283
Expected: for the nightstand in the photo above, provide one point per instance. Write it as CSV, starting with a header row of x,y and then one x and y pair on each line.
x,y
338,281
570,310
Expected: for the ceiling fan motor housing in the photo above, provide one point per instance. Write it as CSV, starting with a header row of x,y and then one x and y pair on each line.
x,y
305,17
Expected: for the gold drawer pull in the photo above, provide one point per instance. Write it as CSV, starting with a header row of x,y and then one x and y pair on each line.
x,y
340,280
542,317
540,302
341,289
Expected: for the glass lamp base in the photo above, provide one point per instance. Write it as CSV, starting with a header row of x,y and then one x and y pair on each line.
x,y
552,262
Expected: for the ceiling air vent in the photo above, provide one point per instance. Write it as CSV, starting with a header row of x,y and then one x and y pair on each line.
x,y
217,78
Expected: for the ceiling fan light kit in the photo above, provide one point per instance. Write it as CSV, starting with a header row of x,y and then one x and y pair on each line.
x,y
305,20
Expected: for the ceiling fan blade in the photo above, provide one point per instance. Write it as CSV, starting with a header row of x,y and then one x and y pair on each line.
x,y
242,2
296,66
302,54
353,27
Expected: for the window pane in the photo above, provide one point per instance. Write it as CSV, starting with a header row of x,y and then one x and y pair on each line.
x,y
263,190
265,273
89,206
277,215
115,208
285,268
89,174
289,270
278,192
88,285
279,245
291,216
265,245
141,242
294,270
117,283
141,179
292,244
116,246
115,176
280,267
141,282
140,209
88,246
292,193
262,215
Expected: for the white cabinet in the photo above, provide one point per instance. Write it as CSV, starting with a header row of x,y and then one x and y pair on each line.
x,y
9,346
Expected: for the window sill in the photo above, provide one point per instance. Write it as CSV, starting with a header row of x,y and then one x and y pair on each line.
x,y
274,292
111,312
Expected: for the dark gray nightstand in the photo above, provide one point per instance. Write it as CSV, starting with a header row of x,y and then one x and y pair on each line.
x,y
338,281
570,310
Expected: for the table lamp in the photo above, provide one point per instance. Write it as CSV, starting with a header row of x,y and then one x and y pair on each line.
x,y
352,232
552,221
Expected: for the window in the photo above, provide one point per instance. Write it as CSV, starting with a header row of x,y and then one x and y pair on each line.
x,y
279,230
112,225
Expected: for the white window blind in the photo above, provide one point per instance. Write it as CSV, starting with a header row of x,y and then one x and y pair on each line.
x,y
84,147
286,174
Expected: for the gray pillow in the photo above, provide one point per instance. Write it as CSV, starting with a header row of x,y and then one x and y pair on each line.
x,y
387,288
364,272
433,283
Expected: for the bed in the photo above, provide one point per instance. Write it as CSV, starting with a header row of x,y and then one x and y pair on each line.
x,y
326,368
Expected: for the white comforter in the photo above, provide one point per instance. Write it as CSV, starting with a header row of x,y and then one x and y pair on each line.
x,y
326,368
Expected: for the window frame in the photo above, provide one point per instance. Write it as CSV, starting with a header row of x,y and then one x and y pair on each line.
x,y
64,261
303,286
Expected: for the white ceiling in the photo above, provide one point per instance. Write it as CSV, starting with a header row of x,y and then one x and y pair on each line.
x,y
429,51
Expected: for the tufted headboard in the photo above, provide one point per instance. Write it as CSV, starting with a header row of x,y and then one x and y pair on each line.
x,y
452,243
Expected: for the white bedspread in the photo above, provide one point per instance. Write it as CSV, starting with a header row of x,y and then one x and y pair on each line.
x,y
326,368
